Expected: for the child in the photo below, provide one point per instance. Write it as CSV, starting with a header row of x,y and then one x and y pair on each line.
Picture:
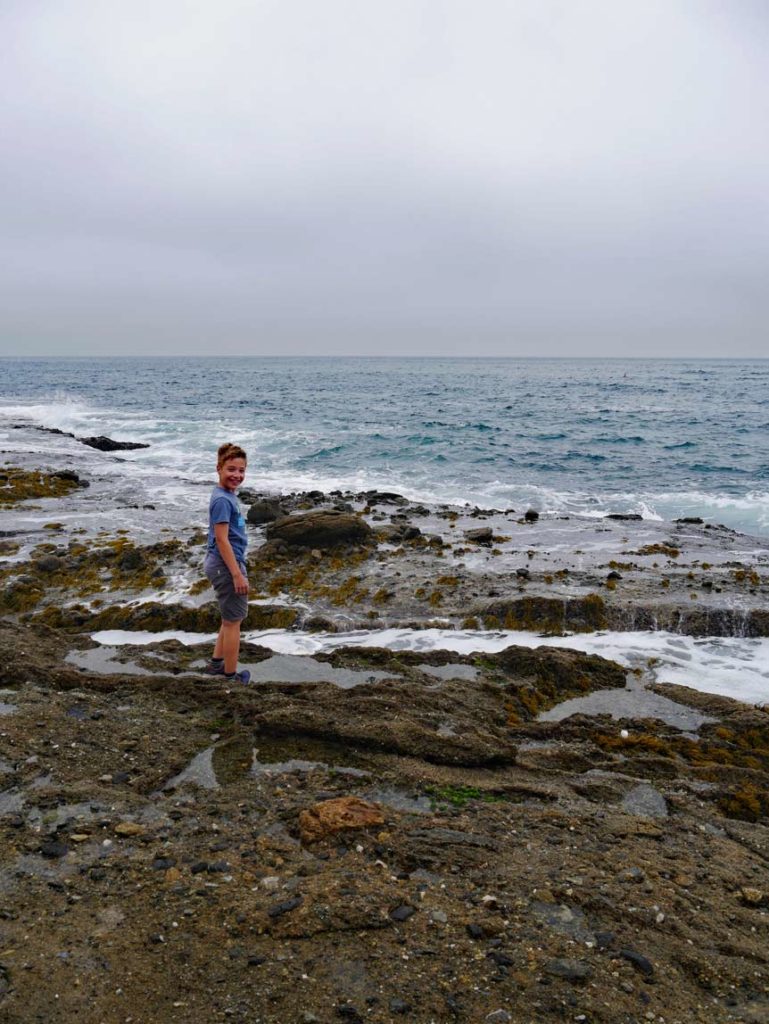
x,y
225,563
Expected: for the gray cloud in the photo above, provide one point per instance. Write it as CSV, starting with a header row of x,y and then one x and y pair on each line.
x,y
537,177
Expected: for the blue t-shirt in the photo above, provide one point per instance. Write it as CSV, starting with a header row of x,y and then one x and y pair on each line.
x,y
224,508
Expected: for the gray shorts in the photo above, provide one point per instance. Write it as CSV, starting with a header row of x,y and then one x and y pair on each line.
x,y
234,607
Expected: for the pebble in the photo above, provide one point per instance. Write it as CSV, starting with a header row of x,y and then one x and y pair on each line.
x,y
569,970
403,913
753,897
54,850
646,802
641,964
399,1006
130,828
279,909
498,1017
438,916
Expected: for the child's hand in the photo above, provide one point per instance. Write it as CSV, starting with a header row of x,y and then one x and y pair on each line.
x,y
240,583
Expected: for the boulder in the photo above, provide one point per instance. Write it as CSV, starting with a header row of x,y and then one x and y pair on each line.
x,y
341,814
384,498
323,528
531,515
106,444
482,536
264,511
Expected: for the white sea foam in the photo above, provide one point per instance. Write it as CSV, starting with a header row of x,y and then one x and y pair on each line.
x,y
730,666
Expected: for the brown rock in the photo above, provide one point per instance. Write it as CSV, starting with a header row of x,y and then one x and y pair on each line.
x,y
338,815
130,828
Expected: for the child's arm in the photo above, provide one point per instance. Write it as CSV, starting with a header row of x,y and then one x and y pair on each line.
x,y
221,534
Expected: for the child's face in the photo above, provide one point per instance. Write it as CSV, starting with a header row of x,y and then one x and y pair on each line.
x,y
232,473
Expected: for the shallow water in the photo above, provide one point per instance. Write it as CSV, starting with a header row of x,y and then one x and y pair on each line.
x,y
735,667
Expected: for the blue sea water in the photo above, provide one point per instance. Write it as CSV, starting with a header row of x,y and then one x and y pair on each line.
x,y
665,438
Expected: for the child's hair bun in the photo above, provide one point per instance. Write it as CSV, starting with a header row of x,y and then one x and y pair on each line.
x,y
229,451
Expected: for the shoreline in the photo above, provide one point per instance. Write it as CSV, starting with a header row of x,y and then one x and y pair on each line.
x,y
376,832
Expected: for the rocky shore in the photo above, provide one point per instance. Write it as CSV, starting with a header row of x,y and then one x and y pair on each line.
x,y
369,834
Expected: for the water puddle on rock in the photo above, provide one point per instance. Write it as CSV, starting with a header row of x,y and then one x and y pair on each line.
x,y
102,661
293,668
245,756
635,701
239,757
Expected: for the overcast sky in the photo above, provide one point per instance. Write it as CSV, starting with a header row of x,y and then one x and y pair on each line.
x,y
459,177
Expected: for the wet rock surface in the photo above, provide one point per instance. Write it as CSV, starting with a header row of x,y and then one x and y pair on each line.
x,y
603,862
289,882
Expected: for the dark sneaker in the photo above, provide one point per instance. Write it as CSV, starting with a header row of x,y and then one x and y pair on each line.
x,y
243,677
214,668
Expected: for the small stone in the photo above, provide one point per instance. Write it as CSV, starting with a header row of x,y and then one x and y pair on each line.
x,y
569,970
199,867
54,850
79,837
163,863
752,897
498,1017
646,802
270,883
130,828
438,916
279,909
614,575
475,931
403,913
632,875
641,964
523,573
399,1006
257,961
500,958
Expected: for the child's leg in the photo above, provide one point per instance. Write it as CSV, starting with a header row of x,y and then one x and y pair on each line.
x,y
230,641
218,654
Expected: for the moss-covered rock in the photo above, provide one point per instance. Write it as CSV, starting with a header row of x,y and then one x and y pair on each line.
x,y
17,485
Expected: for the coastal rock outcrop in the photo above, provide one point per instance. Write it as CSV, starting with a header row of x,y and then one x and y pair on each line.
x,y
106,444
319,529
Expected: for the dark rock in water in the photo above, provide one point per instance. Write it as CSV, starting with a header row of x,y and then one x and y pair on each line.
x,y
624,517
531,515
690,520
322,528
641,964
523,574
482,536
264,511
614,575
106,444
71,475
384,498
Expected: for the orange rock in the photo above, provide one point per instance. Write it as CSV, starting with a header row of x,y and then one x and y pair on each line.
x,y
338,815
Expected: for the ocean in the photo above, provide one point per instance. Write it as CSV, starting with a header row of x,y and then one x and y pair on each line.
x,y
663,438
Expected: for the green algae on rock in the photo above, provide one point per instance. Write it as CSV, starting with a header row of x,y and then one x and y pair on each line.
x,y
17,485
